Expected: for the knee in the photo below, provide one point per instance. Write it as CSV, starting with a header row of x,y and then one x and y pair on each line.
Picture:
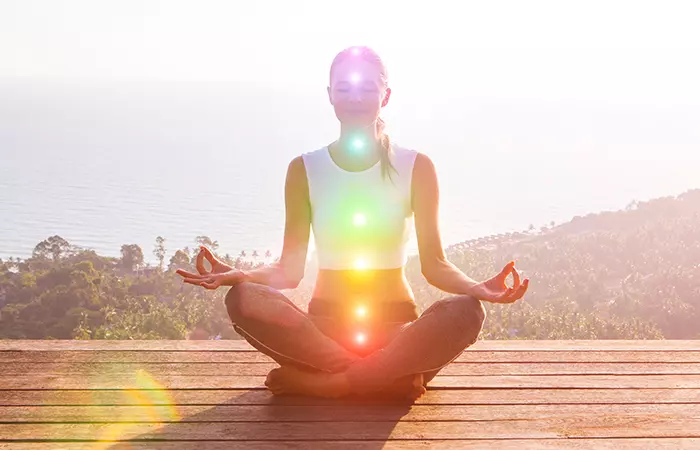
x,y
236,301
467,307
248,303
476,307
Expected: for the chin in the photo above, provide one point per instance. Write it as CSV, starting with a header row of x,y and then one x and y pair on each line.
x,y
356,120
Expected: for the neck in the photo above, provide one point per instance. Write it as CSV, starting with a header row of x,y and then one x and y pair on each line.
x,y
359,141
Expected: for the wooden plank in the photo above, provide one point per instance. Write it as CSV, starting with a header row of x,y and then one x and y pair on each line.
x,y
165,356
602,426
338,413
264,397
144,380
470,444
228,345
262,369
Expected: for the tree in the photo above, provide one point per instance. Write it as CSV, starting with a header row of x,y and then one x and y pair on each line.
x,y
207,242
132,257
180,260
159,251
55,247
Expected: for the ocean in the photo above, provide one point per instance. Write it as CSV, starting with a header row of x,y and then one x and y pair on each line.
x,y
112,163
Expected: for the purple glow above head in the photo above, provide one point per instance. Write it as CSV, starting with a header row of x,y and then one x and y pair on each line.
x,y
355,51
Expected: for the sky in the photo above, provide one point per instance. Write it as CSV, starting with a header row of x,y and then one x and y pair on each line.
x,y
509,98
615,51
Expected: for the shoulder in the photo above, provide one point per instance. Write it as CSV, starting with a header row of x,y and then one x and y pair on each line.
x,y
297,168
313,160
306,164
423,163
420,164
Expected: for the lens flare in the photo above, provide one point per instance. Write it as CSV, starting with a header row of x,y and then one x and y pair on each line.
x,y
355,78
145,393
359,220
360,338
360,264
358,144
361,311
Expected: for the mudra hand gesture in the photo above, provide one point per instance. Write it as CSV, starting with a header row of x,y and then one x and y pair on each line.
x,y
221,274
495,290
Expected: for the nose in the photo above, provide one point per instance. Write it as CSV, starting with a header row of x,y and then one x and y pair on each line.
x,y
355,96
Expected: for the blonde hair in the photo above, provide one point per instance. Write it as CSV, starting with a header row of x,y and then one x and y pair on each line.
x,y
369,55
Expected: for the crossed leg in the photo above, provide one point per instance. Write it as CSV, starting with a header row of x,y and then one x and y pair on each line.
x,y
314,364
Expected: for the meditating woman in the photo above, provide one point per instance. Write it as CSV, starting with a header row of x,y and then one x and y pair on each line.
x,y
361,195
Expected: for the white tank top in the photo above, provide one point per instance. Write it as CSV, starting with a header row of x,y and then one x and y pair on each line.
x,y
359,220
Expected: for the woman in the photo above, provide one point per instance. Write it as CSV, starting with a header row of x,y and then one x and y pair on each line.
x,y
361,333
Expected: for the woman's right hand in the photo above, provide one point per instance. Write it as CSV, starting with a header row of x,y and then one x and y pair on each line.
x,y
213,280
216,265
221,274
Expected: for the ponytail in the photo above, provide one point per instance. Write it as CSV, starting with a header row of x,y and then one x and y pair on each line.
x,y
385,152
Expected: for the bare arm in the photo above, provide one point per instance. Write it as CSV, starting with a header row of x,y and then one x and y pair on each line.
x,y
289,270
425,196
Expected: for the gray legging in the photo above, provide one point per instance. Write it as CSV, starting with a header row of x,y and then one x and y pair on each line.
x,y
273,324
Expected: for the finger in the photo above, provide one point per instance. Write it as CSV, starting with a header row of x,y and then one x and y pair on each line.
x,y
523,288
200,262
507,268
502,298
517,294
506,271
516,278
209,255
200,278
187,274
211,284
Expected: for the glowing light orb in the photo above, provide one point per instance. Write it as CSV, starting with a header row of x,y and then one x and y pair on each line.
x,y
360,264
360,338
359,220
355,51
355,78
361,311
358,144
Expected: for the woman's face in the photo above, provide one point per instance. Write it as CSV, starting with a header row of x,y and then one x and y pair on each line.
x,y
357,92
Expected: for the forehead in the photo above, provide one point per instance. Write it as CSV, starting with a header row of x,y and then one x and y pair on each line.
x,y
355,69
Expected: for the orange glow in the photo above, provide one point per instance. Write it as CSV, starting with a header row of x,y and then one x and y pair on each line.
x,y
360,264
361,311
360,338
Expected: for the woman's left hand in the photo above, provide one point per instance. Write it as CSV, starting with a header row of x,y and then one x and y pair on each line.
x,y
495,290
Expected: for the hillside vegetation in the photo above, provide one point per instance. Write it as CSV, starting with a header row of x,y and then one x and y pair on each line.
x,y
629,274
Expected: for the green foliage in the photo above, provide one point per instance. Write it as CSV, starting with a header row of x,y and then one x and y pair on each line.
x,y
631,274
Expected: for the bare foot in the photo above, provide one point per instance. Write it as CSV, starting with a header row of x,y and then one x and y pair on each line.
x,y
407,388
290,380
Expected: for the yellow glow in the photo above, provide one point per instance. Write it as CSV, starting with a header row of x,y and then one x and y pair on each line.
x,y
150,395
361,311
360,264
359,220
360,338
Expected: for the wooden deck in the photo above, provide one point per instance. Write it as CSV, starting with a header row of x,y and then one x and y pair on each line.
x,y
210,395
